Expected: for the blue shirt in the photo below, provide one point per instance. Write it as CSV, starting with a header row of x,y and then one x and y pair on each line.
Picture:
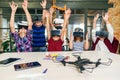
x,y
38,36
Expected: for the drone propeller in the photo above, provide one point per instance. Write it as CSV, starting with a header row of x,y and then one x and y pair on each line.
x,y
107,63
98,63
63,62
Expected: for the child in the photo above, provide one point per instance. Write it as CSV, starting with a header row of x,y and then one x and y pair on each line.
x,y
103,40
56,37
23,38
38,28
57,23
77,43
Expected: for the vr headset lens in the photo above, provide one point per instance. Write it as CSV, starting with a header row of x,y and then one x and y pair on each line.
x,y
78,34
102,33
58,27
22,26
55,33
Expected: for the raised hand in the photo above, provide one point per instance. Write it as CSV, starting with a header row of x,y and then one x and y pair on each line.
x,y
43,4
25,4
96,17
13,6
105,18
94,21
67,13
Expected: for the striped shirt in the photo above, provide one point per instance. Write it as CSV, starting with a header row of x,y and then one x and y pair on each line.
x,y
78,46
38,36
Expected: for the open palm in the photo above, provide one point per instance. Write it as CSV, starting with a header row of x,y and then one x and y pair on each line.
x,y
13,6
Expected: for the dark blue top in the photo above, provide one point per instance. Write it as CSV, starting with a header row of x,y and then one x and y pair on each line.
x,y
38,36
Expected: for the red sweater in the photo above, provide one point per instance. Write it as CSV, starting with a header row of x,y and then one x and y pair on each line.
x,y
55,45
111,46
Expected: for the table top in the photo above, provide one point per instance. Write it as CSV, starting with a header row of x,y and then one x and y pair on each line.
x,y
56,71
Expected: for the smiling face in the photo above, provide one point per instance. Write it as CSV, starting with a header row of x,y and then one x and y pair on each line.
x,y
22,32
38,23
78,39
101,38
56,38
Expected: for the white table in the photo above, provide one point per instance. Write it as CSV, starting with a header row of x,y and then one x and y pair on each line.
x,y
56,71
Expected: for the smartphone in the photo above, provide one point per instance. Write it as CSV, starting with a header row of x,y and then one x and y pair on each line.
x,y
28,65
8,61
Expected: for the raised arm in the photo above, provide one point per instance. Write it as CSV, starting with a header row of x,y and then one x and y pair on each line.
x,y
14,7
86,44
95,20
47,15
109,27
43,4
71,39
66,21
94,28
28,16
51,10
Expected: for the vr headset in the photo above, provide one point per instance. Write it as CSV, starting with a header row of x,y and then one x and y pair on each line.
x,y
23,24
102,33
58,27
36,18
78,34
58,21
55,33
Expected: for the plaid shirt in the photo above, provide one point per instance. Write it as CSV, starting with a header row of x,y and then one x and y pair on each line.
x,y
23,44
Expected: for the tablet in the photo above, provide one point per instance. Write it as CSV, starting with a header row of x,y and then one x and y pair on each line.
x,y
28,65
8,61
